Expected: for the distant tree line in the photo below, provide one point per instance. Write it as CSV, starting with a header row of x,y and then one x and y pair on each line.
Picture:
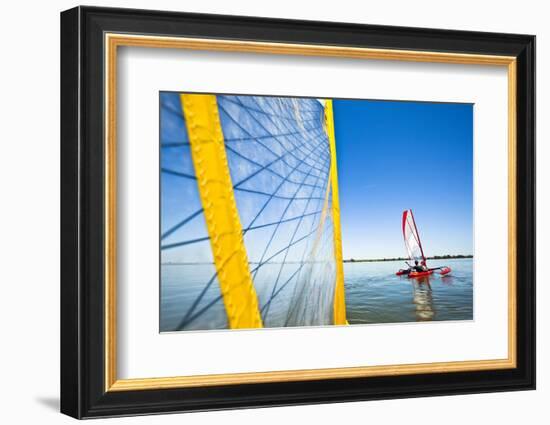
x,y
349,260
434,257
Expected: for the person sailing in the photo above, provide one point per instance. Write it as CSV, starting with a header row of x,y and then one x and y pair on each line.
x,y
418,267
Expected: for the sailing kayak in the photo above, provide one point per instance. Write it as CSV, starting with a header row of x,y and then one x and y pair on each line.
x,y
442,271
414,249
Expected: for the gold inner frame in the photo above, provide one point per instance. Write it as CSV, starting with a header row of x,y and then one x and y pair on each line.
x,y
113,41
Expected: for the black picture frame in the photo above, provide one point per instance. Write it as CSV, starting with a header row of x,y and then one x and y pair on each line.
x,y
83,392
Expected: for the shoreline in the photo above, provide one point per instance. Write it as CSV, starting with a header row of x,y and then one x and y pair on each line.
x,y
350,260
434,257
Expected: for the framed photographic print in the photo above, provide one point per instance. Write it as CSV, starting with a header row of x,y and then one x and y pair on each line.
x,y
261,212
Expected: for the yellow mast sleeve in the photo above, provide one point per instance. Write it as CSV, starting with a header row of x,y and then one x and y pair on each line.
x,y
220,210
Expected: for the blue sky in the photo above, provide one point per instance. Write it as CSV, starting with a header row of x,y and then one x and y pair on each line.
x,y
398,155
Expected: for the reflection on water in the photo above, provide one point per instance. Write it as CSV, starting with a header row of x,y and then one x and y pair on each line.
x,y
422,298
375,295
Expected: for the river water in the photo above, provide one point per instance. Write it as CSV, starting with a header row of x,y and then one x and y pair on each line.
x,y
374,294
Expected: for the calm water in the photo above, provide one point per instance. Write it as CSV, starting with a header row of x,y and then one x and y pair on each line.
x,y
373,295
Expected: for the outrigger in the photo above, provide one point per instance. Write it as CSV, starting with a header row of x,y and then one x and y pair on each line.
x,y
415,251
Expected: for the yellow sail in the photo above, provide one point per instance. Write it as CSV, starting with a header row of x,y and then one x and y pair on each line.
x,y
249,204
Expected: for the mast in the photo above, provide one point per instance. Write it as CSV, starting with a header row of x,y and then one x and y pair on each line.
x,y
417,235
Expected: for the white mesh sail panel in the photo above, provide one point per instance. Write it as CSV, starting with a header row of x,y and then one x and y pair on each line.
x,y
279,161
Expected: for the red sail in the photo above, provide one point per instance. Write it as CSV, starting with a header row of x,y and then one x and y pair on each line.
x,y
412,239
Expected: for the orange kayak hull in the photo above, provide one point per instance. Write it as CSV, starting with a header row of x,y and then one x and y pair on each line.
x,y
421,274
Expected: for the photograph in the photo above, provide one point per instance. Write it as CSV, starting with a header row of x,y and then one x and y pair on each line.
x,y
298,211
284,210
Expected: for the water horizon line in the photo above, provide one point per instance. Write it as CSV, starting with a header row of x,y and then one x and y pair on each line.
x,y
346,260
